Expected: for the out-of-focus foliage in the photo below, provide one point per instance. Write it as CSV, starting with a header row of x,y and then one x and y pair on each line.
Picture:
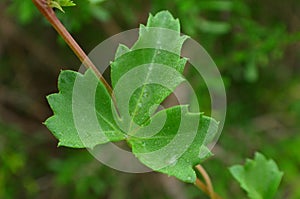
x,y
25,9
254,43
260,177
26,170
13,160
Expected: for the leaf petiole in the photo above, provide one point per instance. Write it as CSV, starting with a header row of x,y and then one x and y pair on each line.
x,y
207,186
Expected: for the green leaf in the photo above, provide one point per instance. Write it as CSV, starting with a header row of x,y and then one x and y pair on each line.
x,y
61,3
259,177
176,148
159,43
80,94
170,141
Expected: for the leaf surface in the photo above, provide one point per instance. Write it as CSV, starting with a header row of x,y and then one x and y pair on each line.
x,y
260,177
80,99
159,43
178,146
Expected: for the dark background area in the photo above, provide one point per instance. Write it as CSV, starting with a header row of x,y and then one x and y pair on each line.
x,y
255,44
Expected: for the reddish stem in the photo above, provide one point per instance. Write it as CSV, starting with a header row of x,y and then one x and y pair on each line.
x,y
49,14
207,187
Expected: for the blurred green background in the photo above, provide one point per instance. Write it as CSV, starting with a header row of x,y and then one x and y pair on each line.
x,y
255,44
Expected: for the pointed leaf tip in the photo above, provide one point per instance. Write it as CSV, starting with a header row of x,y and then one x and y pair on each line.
x,y
163,19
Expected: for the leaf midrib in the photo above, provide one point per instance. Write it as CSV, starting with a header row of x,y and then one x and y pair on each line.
x,y
143,88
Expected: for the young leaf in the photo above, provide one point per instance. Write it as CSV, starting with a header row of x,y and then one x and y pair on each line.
x,y
259,177
171,141
61,3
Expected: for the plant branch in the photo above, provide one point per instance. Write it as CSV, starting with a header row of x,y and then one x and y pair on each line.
x,y
207,186
49,14
201,185
207,180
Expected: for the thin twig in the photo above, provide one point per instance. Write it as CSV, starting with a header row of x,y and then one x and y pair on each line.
x,y
49,14
201,186
207,180
207,186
